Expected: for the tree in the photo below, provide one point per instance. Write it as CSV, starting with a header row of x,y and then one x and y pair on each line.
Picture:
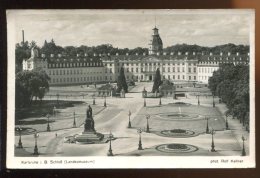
x,y
157,81
22,51
231,84
30,84
121,81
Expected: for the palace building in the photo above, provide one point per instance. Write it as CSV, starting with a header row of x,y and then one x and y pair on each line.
x,y
176,67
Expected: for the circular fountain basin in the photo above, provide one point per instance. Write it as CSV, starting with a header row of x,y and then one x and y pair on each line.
x,y
177,133
176,148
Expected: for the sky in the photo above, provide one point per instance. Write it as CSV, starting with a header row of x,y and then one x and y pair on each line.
x,y
131,29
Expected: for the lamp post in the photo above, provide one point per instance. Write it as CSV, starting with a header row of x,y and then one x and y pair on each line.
x,y
227,123
129,122
54,111
207,127
74,120
105,102
144,102
198,100
139,131
57,98
212,143
110,153
243,150
36,135
48,123
94,101
213,103
147,126
20,144
160,102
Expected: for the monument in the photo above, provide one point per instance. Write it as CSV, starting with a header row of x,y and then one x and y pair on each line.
x,y
89,135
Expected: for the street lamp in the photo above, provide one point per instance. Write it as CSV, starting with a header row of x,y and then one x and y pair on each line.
x,y
36,135
48,123
198,100
212,143
207,127
20,144
110,153
94,102
227,123
74,120
105,102
54,111
58,98
213,101
160,102
144,102
139,131
147,126
243,150
129,122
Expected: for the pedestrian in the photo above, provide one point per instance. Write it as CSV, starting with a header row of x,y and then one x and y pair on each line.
x,y
56,134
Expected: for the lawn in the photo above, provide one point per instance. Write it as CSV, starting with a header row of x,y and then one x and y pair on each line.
x,y
35,117
195,122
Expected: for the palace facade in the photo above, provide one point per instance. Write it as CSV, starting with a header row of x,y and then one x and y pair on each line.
x,y
176,67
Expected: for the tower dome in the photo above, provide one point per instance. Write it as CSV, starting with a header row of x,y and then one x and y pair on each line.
x,y
156,44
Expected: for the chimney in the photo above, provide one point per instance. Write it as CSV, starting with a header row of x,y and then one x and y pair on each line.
x,y
186,53
221,53
95,54
43,55
229,53
194,53
172,53
116,54
86,54
78,55
158,53
210,53
144,54
126,54
179,53
108,54
52,55
99,54
59,55
237,53
136,54
23,35
164,53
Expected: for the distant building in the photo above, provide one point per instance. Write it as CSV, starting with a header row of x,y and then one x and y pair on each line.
x,y
176,67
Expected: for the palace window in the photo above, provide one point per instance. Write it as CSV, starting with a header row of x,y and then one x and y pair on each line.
x,y
189,77
173,77
183,69
169,69
136,69
178,69
183,77
163,69
132,70
194,77
189,70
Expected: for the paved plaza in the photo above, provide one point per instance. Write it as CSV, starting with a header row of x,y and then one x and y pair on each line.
x,y
181,114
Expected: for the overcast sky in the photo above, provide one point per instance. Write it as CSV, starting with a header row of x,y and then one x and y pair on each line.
x,y
130,29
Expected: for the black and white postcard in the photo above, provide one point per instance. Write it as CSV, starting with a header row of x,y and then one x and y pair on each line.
x,y
131,89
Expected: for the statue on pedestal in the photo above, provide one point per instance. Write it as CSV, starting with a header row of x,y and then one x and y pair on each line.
x,y
89,122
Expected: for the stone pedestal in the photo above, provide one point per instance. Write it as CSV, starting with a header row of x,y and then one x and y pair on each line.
x,y
89,135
